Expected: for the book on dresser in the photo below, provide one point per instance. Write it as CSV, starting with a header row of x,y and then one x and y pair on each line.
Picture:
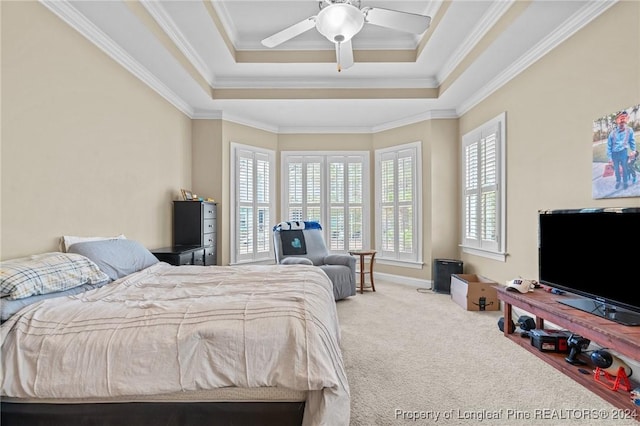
x,y
194,224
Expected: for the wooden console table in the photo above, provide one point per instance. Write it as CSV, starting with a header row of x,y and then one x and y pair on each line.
x,y
624,340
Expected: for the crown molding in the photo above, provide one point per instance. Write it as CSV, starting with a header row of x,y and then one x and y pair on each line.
x,y
428,115
580,19
65,11
409,43
323,130
489,19
327,83
70,15
207,115
250,123
158,12
221,115
226,21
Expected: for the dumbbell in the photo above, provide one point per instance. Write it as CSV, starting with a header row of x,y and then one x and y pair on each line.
x,y
525,323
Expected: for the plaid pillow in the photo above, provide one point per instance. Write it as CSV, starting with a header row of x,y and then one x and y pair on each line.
x,y
47,273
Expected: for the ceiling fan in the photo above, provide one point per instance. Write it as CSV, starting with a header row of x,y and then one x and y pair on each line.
x,y
340,20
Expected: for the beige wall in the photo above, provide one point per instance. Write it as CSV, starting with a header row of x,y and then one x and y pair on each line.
x,y
399,136
207,158
437,136
550,108
443,176
207,170
211,164
237,133
65,103
439,189
87,148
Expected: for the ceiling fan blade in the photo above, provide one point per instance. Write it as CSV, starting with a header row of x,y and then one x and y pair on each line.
x,y
290,32
394,19
344,55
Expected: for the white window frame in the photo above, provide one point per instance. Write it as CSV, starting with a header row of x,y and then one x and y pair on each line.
x,y
325,158
413,260
255,257
491,248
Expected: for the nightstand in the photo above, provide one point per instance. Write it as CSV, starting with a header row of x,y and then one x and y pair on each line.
x,y
181,255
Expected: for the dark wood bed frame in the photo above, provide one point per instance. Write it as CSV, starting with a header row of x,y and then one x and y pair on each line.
x,y
153,414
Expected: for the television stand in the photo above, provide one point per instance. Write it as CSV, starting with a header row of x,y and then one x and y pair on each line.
x,y
546,306
601,309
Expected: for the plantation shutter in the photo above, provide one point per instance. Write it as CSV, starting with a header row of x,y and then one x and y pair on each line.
x,y
397,185
254,180
245,204
481,189
355,202
331,189
263,231
304,188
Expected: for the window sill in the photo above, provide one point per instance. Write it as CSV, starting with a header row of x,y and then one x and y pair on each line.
x,y
502,257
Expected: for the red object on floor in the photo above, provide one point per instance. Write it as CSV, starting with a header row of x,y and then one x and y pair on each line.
x,y
614,383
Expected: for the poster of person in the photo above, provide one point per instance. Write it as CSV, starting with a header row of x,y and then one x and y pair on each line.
x,y
616,166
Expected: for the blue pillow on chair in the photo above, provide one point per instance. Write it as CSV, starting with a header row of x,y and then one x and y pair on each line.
x,y
293,242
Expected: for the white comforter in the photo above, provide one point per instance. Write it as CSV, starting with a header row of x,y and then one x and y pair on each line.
x,y
170,329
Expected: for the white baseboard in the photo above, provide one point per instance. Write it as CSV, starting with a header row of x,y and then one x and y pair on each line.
x,y
398,279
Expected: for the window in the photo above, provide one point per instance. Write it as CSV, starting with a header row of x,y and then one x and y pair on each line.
x,y
252,192
399,200
483,230
331,188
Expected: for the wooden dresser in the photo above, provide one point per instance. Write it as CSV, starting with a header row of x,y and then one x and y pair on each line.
x,y
194,224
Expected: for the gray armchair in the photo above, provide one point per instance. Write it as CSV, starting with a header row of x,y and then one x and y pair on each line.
x,y
312,250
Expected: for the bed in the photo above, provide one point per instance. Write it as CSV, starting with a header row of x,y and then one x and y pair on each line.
x,y
178,345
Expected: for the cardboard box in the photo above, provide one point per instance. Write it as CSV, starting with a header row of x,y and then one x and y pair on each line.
x,y
474,292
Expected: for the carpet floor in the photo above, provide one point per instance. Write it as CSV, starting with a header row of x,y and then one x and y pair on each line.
x,y
413,356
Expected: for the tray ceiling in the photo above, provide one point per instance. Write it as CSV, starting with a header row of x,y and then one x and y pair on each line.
x,y
205,57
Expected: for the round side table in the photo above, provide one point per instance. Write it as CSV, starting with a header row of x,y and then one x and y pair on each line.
x,y
363,254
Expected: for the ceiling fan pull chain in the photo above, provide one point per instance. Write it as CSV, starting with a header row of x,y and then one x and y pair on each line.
x,y
338,55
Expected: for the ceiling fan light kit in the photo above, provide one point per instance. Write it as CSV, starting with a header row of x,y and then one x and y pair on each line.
x,y
340,20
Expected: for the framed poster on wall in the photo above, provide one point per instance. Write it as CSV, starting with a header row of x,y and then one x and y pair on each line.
x,y
616,166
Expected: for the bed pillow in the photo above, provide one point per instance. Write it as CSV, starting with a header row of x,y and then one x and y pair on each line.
x,y
10,307
116,258
68,240
47,273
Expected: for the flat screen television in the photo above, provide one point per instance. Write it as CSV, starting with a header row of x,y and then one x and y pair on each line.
x,y
594,254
